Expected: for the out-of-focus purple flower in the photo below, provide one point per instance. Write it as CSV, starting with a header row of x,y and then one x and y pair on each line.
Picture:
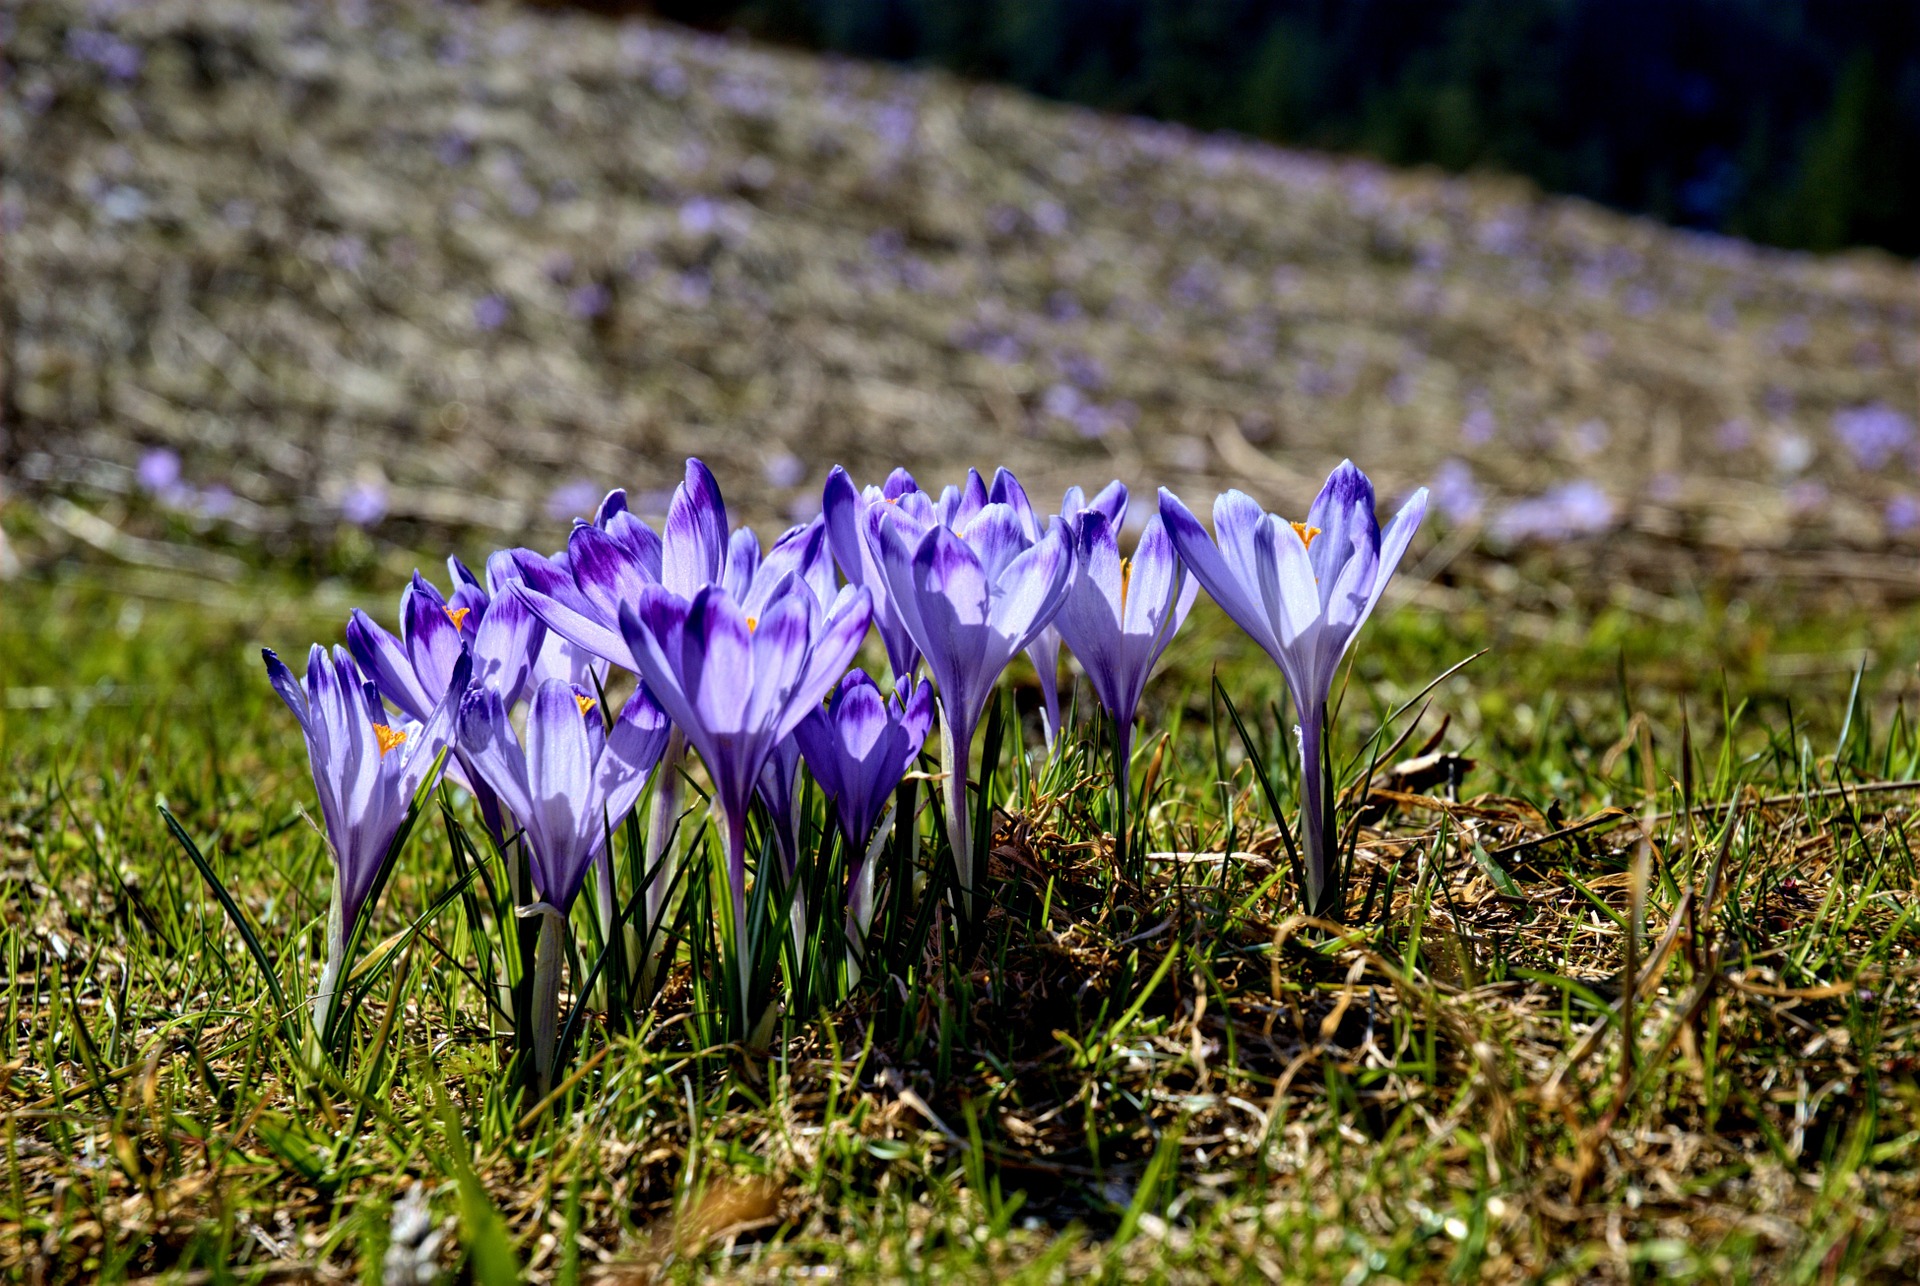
x,y
589,301
1061,400
1479,426
1903,515
784,469
858,749
364,503
571,498
158,470
489,312
971,590
1734,435
1874,434
1792,333
1050,217
1565,512
216,501
1455,493
1589,438
694,287
737,685
366,772
699,217
1301,591
119,59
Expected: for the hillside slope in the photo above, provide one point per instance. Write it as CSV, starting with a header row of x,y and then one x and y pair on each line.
x,y
461,268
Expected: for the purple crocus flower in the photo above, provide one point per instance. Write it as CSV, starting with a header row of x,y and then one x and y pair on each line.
x,y
971,590
511,652
1302,591
1118,617
574,781
367,772
858,748
1044,651
736,683
846,513
579,595
569,789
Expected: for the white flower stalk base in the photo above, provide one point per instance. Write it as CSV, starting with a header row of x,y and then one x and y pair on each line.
x,y
953,760
549,956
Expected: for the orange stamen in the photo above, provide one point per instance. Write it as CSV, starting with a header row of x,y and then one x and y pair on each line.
x,y
458,615
1126,576
753,623
1305,533
586,704
388,737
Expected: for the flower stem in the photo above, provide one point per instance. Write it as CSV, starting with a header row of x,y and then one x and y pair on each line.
x,y
659,857
1122,792
548,958
956,744
1316,814
735,821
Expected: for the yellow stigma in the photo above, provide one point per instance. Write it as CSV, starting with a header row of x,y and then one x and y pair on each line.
x,y
388,737
753,623
1305,533
586,704
458,615
1126,576
893,500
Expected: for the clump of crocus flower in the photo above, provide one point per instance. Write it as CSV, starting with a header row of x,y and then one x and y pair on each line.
x,y
745,657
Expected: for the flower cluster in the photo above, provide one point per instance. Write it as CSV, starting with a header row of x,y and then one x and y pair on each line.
x,y
747,657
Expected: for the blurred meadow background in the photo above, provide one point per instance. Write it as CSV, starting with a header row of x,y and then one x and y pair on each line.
x,y
297,297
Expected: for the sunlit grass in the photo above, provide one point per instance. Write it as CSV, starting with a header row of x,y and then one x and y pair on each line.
x,y
1176,1077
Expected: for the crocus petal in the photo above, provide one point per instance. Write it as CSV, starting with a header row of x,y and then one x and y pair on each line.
x,y
743,560
431,638
1006,490
583,629
695,542
1111,502
949,592
486,739
835,642
606,572
632,749
1343,515
995,534
637,539
509,638
1031,589
612,504
559,781
1204,559
717,661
